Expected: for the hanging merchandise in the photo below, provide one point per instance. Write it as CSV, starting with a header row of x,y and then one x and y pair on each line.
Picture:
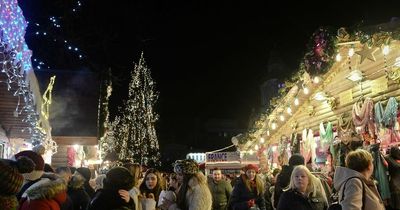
x,y
346,126
326,135
307,144
380,172
295,143
363,118
388,116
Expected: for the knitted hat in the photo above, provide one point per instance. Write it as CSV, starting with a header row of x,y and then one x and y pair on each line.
x,y
118,178
85,172
39,164
186,166
11,179
296,159
251,167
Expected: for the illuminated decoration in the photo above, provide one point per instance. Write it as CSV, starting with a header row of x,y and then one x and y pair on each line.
x,y
320,96
367,52
282,118
268,134
306,90
273,125
338,57
351,52
47,98
386,50
256,147
262,140
316,79
289,110
355,76
134,135
296,101
16,65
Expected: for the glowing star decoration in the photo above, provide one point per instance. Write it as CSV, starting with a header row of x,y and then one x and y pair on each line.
x,y
47,98
367,52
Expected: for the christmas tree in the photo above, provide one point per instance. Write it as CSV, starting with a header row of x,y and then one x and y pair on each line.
x,y
133,134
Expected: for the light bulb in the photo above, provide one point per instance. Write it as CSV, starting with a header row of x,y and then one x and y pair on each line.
x,y
262,140
316,79
296,101
251,152
281,117
256,147
351,52
267,132
289,110
306,91
273,126
338,57
386,50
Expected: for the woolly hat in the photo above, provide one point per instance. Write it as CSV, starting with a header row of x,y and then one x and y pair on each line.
x,y
251,167
11,179
39,164
118,178
186,166
85,172
296,159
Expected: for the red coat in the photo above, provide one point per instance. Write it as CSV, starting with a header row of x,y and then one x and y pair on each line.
x,y
44,195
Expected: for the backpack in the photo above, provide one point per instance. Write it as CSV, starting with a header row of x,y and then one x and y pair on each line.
x,y
335,205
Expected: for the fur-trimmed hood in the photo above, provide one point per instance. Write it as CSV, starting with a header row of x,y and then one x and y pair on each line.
x,y
199,179
46,189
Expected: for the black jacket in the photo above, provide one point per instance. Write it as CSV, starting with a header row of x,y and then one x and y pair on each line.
x,y
107,199
292,199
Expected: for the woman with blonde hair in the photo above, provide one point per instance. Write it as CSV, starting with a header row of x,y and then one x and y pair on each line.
x,y
355,185
248,191
305,192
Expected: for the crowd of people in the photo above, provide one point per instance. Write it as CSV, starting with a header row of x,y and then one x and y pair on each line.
x,y
26,182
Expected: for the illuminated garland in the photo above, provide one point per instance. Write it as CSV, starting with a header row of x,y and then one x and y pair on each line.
x,y
16,65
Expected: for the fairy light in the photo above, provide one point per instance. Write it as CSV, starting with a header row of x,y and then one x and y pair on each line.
x,y
351,52
282,118
296,101
256,147
306,90
386,50
273,125
262,140
289,110
338,57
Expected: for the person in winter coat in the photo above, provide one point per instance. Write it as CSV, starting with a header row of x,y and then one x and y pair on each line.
x,y
152,184
11,180
87,174
220,190
110,197
305,192
45,194
393,160
283,178
77,193
193,193
350,181
248,191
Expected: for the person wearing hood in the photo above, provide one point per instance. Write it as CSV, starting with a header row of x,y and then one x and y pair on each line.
x,y
356,188
193,193
393,160
45,194
76,191
248,192
87,174
283,178
110,197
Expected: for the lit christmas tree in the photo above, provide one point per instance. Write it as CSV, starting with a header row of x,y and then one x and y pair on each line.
x,y
134,133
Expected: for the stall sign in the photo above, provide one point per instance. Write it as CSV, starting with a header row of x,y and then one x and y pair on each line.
x,y
222,156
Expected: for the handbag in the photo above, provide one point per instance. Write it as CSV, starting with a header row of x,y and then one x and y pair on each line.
x,y
335,205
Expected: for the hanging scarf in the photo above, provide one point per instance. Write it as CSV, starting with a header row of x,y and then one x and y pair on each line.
x,y
363,113
326,135
390,115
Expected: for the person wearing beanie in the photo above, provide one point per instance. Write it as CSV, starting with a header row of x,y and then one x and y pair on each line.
x,y
193,192
11,180
111,196
283,178
248,191
34,176
87,174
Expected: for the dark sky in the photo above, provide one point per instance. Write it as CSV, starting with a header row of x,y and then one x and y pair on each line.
x,y
208,58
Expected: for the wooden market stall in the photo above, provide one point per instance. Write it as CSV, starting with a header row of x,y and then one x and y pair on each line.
x,y
333,86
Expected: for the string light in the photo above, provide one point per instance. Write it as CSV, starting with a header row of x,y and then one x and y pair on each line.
x,y
16,64
282,118
351,52
306,90
338,57
256,147
262,140
289,110
296,101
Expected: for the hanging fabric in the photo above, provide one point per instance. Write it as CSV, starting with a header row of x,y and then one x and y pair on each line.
x,y
388,116
326,135
380,172
345,126
308,141
363,117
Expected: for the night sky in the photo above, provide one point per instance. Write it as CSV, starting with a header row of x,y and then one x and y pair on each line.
x,y
207,58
